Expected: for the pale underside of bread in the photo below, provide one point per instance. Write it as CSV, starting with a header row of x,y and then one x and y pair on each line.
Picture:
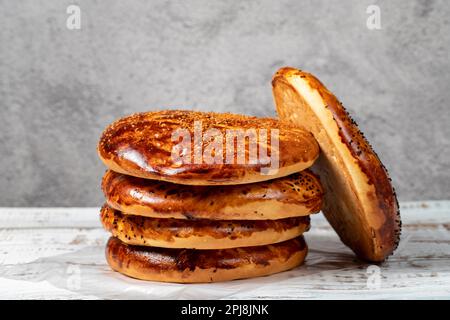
x,y
199,234
143,145
207,242
296,195
360,202
267,210
248,175
146,265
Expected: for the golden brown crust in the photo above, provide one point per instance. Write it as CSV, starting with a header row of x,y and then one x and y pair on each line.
x,y
200,234
141,145
190,265
360,202
296,195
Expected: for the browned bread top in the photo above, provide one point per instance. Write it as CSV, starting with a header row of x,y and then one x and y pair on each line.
x,y
142,145
190,265
182,259
360,200
295,195
200,233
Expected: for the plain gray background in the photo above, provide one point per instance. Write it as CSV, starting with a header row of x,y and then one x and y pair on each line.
x,y
59,88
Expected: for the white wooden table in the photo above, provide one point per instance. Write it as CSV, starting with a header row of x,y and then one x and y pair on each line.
x,y
58,253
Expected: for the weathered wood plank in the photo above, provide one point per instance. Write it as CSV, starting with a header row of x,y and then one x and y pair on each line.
x,y
22,218
59,253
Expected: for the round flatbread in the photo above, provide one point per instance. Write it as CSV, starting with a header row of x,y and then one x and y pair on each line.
x,y
296,195
200,234
360,202
200,148
190,265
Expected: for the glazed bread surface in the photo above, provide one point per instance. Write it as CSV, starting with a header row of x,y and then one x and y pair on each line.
x,y
360,202
142,145
295,195
200,234
195,266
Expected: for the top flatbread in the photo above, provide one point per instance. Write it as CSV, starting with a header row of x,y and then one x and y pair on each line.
x,y
142,145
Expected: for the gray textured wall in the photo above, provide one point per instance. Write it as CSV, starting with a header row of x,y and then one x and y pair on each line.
x,y
59,88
